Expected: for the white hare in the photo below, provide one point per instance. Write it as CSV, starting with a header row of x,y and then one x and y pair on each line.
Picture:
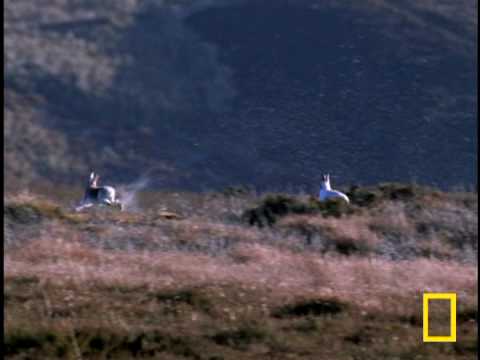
x,y
98,195
327,193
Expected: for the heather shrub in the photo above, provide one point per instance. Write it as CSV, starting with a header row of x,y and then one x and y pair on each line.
x,y
346,236
371,196
273,207
310,307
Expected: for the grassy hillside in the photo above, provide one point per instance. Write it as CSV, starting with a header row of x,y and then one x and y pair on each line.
x,y
238,275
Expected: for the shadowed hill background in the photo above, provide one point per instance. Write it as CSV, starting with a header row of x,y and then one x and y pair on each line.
x,y
204,94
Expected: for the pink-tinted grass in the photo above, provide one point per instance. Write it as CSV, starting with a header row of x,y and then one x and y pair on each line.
x,y
363,281
209,284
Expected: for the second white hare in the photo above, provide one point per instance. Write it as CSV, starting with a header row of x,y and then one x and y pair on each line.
x,y
327,193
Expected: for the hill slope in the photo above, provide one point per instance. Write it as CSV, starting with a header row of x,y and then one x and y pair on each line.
x,y
323,281
208,94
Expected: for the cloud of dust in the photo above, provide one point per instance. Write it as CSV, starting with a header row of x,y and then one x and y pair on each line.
x,y
128,193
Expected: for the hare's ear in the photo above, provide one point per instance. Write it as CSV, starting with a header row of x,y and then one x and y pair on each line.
x,y
92,176
328,177
97,177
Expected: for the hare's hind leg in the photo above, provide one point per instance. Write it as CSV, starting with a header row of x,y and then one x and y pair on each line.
x,y
83,206
115,203
120,205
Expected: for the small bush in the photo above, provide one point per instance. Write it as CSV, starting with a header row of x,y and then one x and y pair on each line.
x,y
346,236
359,338
23,214
274,207
186,296
307,325
311,307
468,314
234,191
370,196
136,344
240,338
395,191
19,342
31,213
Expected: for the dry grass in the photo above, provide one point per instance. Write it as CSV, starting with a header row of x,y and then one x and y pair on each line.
x,y
63,284
342,235
58,260
136,285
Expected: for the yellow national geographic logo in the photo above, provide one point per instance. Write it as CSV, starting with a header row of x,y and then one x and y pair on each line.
x,y
453,317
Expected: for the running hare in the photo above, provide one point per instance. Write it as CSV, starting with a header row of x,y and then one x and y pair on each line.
x,y
98,195
327,193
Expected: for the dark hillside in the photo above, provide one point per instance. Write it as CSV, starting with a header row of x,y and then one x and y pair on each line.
x,y
348,85
208,94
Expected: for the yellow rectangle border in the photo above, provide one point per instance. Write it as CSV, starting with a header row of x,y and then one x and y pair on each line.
x,y
453,317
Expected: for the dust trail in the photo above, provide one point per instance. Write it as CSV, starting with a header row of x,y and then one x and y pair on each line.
x,y
128,193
